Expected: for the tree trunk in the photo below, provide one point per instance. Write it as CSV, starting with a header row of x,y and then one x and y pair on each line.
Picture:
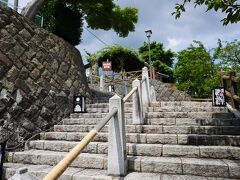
x,y
32,8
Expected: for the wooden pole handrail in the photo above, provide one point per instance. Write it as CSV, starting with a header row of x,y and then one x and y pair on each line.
x,y
235,79
59,169
231,91
130,94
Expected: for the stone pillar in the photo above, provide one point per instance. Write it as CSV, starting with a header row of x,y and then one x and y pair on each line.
x,y
137,103
102,84
22,174
145,87
153,94
117,155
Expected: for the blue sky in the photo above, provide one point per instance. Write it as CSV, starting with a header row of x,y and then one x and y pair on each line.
x,y
195,24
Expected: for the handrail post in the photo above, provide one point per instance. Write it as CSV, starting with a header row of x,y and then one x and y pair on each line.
x,y
145,87
102,83
137,103
117,155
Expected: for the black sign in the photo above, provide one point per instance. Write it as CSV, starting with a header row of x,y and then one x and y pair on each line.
x,y
79,104
218,96
111,88
2,154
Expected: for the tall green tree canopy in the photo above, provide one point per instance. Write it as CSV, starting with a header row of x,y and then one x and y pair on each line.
x,y
231,8
193,71
229,55
123,59
161,59
98,14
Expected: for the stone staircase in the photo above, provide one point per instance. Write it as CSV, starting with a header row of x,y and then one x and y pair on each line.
x,y
179,140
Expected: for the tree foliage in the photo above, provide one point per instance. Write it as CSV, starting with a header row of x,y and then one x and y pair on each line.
x,y
99,14
123,59
193,71
64,21
231,8
229,55
161,59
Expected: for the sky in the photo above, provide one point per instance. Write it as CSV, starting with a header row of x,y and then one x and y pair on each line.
x,y
194,24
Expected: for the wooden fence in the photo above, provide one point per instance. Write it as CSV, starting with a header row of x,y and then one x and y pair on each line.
x,y
230,83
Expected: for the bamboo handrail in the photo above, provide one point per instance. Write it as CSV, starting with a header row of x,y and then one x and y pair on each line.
x,y
59,169
129,94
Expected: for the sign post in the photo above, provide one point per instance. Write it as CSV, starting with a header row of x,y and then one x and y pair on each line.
x,y
107,65
79,104
2,155
218,96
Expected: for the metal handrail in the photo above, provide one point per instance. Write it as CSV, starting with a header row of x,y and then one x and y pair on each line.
x,y
59,169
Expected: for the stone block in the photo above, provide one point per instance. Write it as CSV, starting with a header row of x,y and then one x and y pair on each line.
x,y
234,168
220,152
208,167
56,136
162,121
142,176
75,136
95,161
161,165
145,149
135,138
150,129
182,177
35,145
134,163
176,129
175,114
180,151
102,148
56,145
162,138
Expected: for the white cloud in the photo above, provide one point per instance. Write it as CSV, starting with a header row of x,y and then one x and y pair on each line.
x,y
173,43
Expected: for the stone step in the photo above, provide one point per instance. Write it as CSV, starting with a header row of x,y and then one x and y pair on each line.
x,y
98,174
70,174
105,105
188,166
170,165
195,115
162,121
95,115
158,150
161,104
162,109
43,157
183,139
158,129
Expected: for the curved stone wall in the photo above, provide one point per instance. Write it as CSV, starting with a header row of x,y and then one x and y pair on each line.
x,y
39,74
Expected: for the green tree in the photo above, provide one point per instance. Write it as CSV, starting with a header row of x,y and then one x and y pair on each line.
x,y
161,59
230,7
229,55
193,71
123,59
62,20
99,14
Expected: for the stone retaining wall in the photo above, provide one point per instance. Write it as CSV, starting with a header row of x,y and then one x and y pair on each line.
x,y
167,93
39,73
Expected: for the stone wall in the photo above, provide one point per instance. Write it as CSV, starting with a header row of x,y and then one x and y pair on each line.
x,y
166,92
39,73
